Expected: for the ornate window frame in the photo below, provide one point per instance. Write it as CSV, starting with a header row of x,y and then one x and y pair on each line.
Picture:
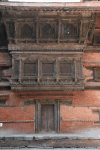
x,y
44,77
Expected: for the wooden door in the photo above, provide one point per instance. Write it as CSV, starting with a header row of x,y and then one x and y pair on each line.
x,y
47,117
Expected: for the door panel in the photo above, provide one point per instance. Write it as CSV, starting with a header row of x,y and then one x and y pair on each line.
x,y
47,117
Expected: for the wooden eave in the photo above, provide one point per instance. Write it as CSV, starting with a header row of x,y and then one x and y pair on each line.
x,y
84,6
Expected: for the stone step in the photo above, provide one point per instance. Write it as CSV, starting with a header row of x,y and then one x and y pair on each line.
x,y
49,141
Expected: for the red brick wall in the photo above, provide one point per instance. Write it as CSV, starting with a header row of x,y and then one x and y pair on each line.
x,y
74,119
17,128
17,113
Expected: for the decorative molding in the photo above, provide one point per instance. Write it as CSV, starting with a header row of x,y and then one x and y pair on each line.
x,y
19,121
77,120
47,47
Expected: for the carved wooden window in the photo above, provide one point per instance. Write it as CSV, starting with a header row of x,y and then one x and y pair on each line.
x,y
97,38
47,69
26,31
30,68
2,102
65,69
47,30
96,74
68,31
16,68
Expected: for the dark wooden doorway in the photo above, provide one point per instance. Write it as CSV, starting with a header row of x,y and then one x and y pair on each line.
x,y
47,118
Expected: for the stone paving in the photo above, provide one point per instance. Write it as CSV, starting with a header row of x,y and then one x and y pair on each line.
x,y
52,149
49,141
85,135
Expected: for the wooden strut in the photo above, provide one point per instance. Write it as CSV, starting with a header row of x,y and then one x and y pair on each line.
x,y
93,27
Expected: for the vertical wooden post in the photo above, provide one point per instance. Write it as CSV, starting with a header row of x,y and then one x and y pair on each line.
x,y
94,70
16,32
20,71
59,23
37,41
80,35
58,116
57,73
75,71
36,117
38,75
12,66
81,67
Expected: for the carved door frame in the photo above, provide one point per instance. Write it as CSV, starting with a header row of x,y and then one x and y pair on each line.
x,y
38,114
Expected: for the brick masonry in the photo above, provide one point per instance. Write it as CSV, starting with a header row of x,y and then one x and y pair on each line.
x,y
76,117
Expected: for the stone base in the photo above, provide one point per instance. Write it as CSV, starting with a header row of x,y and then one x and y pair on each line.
x,y
48,141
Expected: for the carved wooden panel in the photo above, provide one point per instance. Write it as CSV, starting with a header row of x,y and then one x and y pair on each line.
x,y
47,69
47,117
51,71
29,69
79,69
47,30
65,68
26,31
16,68
68,31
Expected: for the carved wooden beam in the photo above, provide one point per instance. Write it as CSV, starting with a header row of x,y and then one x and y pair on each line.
x,y
93,27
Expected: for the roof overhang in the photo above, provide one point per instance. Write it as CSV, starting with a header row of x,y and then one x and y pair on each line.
x,y
89,5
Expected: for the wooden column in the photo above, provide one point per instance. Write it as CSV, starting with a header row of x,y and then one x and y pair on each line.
x,y
20,72
38,76
36,117
57,69
81,67
59,24
80,36
12,66
58,105
75,64
37,41
16,31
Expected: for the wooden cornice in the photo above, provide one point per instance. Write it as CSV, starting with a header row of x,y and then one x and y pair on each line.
x,y
46,47
85,6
